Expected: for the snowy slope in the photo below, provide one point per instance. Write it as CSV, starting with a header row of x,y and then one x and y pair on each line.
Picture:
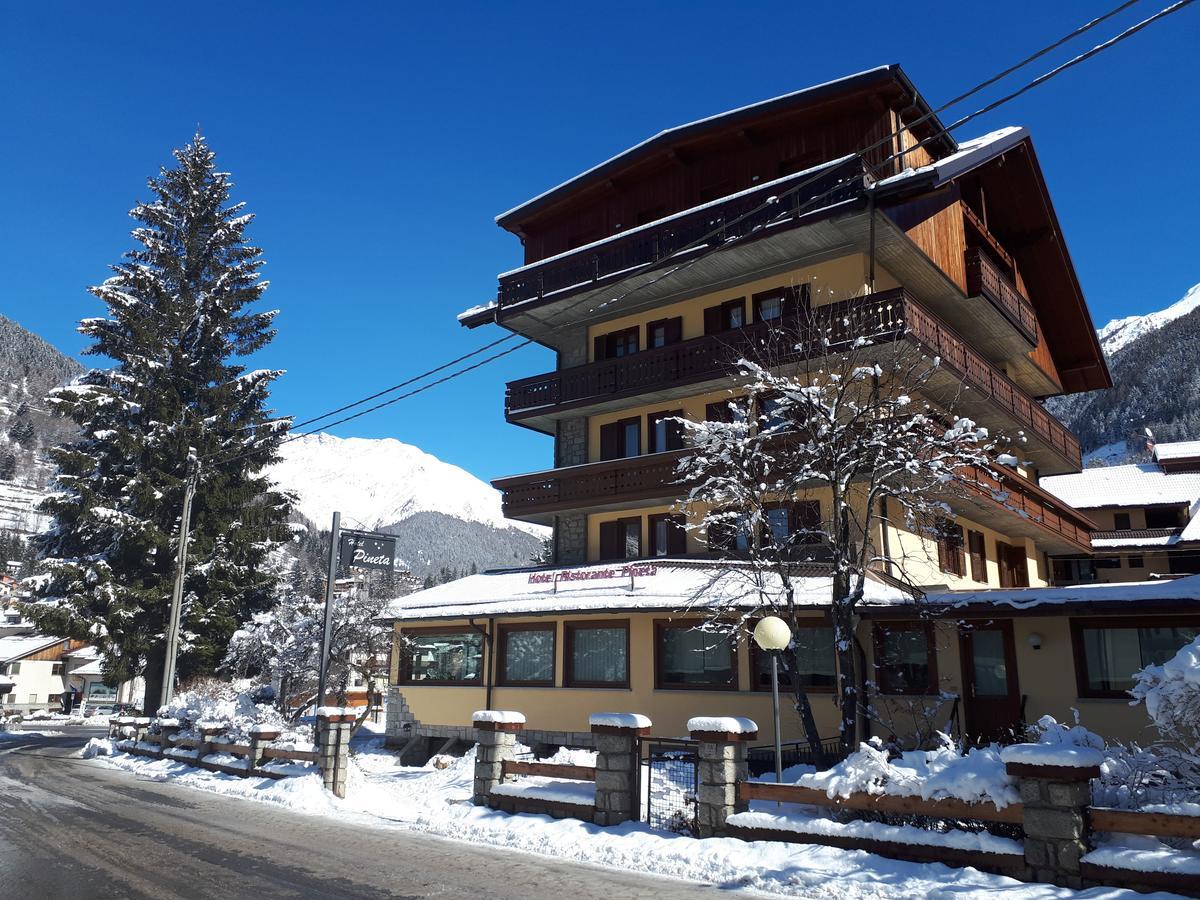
x,y
382,482
1120,332
18,510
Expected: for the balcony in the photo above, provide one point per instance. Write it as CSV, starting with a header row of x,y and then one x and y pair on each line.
x,y
1008,503
1012,321
704,363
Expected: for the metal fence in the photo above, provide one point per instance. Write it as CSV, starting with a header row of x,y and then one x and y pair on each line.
x,y
667,784
761,760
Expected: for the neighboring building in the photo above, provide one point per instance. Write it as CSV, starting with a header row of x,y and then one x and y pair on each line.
x,y
956,248
85,677
33,672
1148,516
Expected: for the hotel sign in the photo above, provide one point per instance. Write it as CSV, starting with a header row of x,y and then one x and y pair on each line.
x,y
640,570
367,551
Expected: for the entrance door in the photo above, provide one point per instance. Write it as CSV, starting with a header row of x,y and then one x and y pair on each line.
x,y
993,697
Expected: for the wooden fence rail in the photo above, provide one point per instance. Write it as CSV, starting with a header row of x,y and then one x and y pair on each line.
x,y
1129,821
548,770
884,803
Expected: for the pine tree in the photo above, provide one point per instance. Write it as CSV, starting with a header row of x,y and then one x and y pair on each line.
x,y
177,322
8,466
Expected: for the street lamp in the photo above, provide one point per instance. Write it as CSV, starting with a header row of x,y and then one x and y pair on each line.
x,y
772,634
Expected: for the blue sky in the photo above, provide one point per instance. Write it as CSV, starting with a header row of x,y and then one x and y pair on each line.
x,y
376,143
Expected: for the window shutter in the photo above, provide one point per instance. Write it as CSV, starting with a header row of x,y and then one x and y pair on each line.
x,y
611,443
676,537
960,554
717,412
599,345
714,320
943,554
675,330
978,556
612,540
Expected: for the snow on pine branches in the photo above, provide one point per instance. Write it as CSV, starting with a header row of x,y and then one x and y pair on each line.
x,y
815,439
178,317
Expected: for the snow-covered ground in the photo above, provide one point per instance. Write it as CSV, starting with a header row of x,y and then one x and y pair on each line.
x,y
435,799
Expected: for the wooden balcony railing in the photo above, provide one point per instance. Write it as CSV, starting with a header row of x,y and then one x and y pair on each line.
x,y
1016,494
987,281
712,225
885,315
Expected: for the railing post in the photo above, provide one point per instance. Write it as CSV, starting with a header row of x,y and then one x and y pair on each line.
x,y
167,729
1054,783
616,764
495,737
260,736
722,764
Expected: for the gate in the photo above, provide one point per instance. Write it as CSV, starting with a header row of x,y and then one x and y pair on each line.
x,y
667,783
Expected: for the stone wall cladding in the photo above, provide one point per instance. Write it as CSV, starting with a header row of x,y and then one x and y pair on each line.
x,y
570,539
570,442
721,764
1055,823
573,349
616,777
492,748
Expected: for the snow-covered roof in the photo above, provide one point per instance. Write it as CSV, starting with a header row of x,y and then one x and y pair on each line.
x,y
1177,449
88,668
1144,484
17,646
601,587
667,133
1161,591
970,154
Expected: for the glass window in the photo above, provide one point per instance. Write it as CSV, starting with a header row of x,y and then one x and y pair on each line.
x,y
813,655
445,658
631,439
904,659
528,655
598,655
689,657
779,524
770,308
1111,656
735,316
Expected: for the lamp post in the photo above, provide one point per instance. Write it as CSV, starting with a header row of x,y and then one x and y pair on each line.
x,y
772,634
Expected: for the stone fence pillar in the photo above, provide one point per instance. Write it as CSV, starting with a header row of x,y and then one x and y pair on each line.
x,y
260,737
334,725
495,738
1054,783
167,729
617,764
207,732
722,764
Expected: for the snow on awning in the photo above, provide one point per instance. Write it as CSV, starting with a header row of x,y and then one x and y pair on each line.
x,y
670,585
1166,592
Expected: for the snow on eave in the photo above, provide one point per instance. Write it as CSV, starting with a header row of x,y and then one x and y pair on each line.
x,y
1162,591
970,154
1177,450
782,98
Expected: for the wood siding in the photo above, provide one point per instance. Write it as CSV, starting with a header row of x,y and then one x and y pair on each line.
x,y
54,653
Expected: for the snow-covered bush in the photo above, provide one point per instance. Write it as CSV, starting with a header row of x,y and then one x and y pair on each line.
x,y
229,704
1171,693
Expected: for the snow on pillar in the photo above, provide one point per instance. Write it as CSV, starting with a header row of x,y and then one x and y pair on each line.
x,y
495,738
722,764
1055,786
616,764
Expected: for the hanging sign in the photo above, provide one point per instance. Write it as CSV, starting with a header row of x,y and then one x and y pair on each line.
x,y
367,551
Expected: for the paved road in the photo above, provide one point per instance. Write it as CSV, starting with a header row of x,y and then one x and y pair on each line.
x,y
74,829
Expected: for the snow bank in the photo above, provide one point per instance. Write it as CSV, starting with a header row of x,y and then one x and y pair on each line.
x,y
727,724
498,716
931,775
619,720
559,790
96,747
1141,859
1052,755
957,839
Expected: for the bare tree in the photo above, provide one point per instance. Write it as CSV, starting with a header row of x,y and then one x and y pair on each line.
x,y
834,407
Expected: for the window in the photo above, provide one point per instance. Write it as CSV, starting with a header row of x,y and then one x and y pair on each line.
x,y
1162,517
726,410
56,668
977,547
730,314
621,539
730,535
526,655
442,657
14,668
779,303
621,439
597,654
664,434
688,658
769,416
1121,521
615,344
663,332
795,523
668,535
12,619
951,558
1137,562
813,655
905,661
33,698
1107,562
1109,652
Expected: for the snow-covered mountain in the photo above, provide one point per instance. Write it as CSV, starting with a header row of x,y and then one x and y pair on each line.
x,y
1120,332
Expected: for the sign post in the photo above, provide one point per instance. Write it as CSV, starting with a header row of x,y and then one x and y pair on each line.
x,y
334,546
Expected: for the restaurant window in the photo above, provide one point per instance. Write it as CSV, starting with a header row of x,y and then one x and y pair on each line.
x,y
728,315
664,433
668,535
526,655
905,660
1108,653
663,332
597,654
688,658
812,655
621,439
616,344
621,539
1121,521
977,547
951,558
1162,517
442,657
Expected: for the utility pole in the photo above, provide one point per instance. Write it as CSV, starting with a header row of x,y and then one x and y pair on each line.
x,y
185,525
334,539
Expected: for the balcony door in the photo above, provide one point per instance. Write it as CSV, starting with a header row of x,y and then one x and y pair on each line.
x,y
992,695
